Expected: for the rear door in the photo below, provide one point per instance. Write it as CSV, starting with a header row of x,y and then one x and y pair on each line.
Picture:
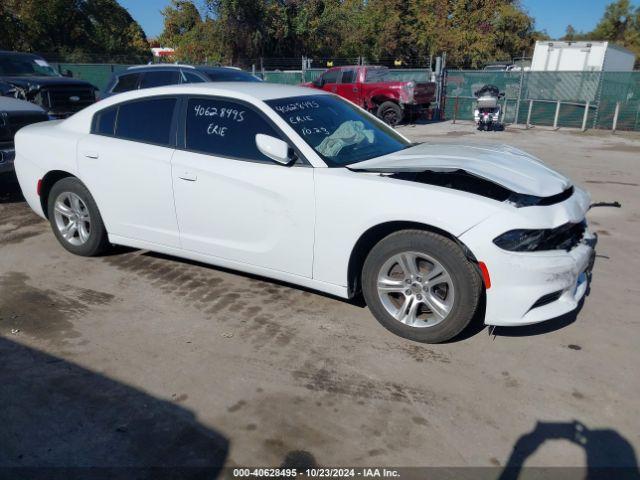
x,y
125,162
348,86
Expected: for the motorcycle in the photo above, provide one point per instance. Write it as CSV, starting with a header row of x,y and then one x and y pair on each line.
x,y
487,112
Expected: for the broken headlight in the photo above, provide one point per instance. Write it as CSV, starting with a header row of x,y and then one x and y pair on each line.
x,y
521,240
564,237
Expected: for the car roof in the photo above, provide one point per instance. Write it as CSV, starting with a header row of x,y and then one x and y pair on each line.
x,y
247,91
256,91
177,66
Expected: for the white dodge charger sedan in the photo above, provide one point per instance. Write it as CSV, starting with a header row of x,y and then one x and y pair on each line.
x,y
307,188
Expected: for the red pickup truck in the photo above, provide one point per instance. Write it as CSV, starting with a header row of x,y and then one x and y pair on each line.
x,y
370,88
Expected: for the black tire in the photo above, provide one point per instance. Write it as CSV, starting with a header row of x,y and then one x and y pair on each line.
x,y
464,276
97,241
390,113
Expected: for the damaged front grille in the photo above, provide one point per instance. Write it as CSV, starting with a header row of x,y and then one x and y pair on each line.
x,y
466,182
564,237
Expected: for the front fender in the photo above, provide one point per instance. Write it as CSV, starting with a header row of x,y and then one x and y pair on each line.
x,y
350,203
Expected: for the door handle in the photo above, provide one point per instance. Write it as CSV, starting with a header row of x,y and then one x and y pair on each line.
x,y
188,176
91,155
355,90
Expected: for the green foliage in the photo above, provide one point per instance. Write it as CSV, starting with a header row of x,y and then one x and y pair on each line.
x,y
621,25
76,30
472,32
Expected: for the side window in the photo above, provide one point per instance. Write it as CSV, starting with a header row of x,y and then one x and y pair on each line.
x,y
104,122
159,78
225,128
126,83
146,121
188,77
331,76
348,76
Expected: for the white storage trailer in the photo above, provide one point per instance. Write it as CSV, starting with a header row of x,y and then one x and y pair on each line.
x,y
553,56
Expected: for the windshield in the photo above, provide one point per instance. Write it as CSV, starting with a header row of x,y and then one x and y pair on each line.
x,y
25,66
374,75
337,130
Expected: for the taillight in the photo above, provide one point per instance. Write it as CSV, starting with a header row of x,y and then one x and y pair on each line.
x,y
39,187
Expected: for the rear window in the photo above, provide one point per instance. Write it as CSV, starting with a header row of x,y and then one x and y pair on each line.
x,y
105,122
146,121
348,76
159,79
189,77
126,83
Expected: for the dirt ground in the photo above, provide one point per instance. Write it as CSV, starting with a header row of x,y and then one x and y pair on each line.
x,y
137,359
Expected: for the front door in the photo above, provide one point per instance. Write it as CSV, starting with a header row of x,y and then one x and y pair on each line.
x,y
232,201
125,162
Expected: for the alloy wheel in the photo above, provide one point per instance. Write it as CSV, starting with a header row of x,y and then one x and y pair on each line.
x,y
415,289
72,218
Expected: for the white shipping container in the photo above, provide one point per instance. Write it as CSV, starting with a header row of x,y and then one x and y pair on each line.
x,y
581,56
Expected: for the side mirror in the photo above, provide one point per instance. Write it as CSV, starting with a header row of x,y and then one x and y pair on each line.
x,y
318,82
274,148
67,73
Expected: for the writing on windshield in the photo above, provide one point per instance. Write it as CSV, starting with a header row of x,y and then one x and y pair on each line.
x,y
337,130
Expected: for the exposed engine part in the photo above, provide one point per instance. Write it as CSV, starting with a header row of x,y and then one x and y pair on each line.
x,y
466,182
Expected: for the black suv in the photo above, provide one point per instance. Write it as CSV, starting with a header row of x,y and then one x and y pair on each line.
x,y
29,77
147,76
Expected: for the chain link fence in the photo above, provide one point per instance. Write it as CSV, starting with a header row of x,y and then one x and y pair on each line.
x,y
604,100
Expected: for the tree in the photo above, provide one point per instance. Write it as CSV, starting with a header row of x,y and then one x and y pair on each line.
x,y
472,32
75,30
570,33
180,17
620,24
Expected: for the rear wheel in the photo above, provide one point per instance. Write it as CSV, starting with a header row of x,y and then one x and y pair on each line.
x,y
421,286
390,112
75,219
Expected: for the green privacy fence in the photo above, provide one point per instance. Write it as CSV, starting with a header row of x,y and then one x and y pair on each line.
x,y
563,99
97,74
607,100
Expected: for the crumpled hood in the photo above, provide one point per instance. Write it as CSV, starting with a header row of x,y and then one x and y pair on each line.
x,y
502,164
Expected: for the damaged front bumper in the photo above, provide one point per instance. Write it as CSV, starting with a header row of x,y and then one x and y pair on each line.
x,y
531,287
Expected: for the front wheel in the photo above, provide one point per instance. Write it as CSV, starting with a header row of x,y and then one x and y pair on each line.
x,y
390,112
75,219
420,286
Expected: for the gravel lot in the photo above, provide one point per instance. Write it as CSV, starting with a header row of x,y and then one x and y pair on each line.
x,y
140,359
